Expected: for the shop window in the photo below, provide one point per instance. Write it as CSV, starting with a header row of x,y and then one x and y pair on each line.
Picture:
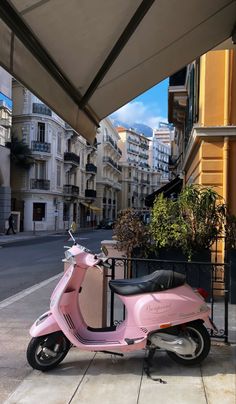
x,y
39,210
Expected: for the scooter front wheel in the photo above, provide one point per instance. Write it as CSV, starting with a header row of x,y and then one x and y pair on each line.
x,y
200,335
47,351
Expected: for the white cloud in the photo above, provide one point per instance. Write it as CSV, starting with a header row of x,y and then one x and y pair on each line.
x,y
138,112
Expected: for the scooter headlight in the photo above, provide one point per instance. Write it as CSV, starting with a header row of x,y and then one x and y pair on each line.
x,y
42,318
68,255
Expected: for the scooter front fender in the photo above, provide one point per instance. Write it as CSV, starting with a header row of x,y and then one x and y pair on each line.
x,y
45,324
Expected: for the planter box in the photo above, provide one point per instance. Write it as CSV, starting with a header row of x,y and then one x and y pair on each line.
x,y
232,276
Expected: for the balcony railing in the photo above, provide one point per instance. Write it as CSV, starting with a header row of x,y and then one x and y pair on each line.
x,y
42,147
91,168
40,184
114,164
41,109
72,158
72,190
90,193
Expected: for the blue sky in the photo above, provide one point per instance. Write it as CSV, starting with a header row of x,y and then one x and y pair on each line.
x,y
149,108
6,99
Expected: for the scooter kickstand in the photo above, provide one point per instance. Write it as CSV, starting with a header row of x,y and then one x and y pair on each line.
x,y
148,362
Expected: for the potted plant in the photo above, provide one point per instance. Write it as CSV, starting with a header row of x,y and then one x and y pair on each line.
x,y
133,237
185,229
202,218
131,233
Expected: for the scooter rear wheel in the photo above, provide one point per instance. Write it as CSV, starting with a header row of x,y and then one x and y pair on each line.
x,y
200,335
46,352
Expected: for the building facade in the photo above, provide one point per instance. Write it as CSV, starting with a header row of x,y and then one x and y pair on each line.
x,y
138,178
160,151
202,106
109,173
5,136
60,186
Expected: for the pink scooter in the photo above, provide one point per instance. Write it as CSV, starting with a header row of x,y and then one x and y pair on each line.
x,y
162,311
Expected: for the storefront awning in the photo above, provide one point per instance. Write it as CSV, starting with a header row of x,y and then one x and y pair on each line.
x,y
85,59
169,190
91,207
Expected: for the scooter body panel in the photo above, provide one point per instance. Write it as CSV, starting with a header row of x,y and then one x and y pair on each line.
x,y
172,306
45,324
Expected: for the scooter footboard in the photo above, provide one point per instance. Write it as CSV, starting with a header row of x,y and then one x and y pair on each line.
x,y
45,324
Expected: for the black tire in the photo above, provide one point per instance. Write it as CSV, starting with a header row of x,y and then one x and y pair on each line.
x,y
201,336
41,360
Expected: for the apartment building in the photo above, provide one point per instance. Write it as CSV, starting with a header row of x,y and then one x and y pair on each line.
x,y
202,106
160,151
138,178
60,186
109,173
5,136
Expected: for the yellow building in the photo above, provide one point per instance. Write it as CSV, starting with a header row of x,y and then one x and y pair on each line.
x,y
202,106
203,109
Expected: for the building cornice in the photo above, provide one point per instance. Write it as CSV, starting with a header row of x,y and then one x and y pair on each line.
x,y
199,133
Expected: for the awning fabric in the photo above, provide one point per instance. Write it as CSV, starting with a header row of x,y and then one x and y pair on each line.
x,y
91,207
172,188
85,59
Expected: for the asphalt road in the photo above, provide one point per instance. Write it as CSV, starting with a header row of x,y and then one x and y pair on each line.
x,y
28,262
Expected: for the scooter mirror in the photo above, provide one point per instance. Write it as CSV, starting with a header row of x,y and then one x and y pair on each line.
x,y
73,227
104,250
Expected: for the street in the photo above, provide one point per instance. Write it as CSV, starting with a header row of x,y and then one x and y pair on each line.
x,y
28,262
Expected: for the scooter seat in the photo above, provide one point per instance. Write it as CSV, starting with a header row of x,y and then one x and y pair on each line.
x,y
155,282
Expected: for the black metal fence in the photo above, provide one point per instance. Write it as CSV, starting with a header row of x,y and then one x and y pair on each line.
x,y
213,277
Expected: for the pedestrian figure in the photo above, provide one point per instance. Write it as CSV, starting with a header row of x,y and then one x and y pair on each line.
x,y
10,224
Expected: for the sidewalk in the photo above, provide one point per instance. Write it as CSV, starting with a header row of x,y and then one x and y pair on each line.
x,y
85,377
26,235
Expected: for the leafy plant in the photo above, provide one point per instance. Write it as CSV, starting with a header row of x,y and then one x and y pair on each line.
x,y
21,154
230,231
166,226
204,216
192,222
131,232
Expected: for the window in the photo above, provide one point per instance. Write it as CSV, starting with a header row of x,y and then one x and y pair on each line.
x,y
58,175
40,170
59,143
39,212
41,132
66,211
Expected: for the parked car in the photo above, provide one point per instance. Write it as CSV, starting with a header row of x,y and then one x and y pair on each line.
x,y
106,224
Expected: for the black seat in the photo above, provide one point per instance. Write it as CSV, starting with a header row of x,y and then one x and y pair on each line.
x,y
155,282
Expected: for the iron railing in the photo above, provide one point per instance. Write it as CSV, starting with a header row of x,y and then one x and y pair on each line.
x,y
208,275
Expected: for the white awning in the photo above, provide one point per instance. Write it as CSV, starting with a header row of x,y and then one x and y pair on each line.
x,y
87,58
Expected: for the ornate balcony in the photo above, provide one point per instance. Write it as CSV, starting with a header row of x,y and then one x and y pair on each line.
x,y
40,184
42,109
71,190
91,168
72,158
42,147
90,193
111,162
